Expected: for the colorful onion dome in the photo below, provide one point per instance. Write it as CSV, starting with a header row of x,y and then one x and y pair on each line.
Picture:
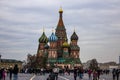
x,y
74,36
65,44
46,46
43,38
53,38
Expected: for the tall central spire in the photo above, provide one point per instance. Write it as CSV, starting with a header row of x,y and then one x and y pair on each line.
x,y
60,23
60,33
60,30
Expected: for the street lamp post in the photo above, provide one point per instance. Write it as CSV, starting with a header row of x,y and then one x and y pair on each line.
x,y
0,58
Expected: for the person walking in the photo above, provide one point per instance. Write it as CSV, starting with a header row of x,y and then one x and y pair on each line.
x,y
51,76
98,73
80,72
114,74
56,71
15,72
75,73
117,74
89,74
95,75
4,74
10,72
0,73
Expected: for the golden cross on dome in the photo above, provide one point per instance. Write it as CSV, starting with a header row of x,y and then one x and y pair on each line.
x,y
60,10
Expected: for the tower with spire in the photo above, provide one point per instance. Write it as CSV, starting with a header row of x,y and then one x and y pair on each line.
x,y
59,52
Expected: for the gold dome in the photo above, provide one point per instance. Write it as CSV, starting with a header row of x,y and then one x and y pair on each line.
x,y
65,44
60,10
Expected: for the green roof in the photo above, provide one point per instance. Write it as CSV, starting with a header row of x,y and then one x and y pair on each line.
x,y
65,53
60,60
74,47
52,60
64,60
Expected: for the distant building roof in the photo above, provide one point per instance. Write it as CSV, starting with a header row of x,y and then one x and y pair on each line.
x,y
10,61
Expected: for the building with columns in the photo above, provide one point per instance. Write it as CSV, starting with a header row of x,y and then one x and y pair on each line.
x,y
59,52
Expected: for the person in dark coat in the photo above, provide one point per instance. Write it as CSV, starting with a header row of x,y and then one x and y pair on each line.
x,y
0,74
75,73
51,76
15,72
114,74
117,74
98,73
10,72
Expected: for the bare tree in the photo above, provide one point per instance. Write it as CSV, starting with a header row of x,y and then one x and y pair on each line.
x,y
93,64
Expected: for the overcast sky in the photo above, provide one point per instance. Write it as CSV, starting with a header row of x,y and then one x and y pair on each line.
x,y
97,23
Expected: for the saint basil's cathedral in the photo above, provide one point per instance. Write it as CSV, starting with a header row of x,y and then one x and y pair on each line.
x,y
59,52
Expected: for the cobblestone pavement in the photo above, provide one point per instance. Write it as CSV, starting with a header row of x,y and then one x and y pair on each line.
x,y
60,77
22,76
102,77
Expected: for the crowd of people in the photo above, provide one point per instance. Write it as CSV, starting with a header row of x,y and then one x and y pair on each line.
x,y
11,72
77,72
93,74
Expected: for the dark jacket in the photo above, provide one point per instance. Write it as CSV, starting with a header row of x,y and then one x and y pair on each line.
x,y
15,70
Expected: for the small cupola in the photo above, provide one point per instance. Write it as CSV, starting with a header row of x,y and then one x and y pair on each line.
x,y
65,44
74,36
53,38
43,38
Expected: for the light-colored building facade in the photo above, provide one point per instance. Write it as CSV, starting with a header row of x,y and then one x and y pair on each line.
x,y
6,63
109,65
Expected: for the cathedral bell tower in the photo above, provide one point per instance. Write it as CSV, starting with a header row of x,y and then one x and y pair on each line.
x,y
43,40
73,46
60,33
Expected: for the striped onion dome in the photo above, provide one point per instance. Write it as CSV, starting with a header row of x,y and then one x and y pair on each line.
x,y
43,38
74,36
53,38
65,44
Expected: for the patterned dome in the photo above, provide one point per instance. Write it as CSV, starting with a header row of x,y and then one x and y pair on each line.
x,y
53,38
74,36
43,38
65,44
